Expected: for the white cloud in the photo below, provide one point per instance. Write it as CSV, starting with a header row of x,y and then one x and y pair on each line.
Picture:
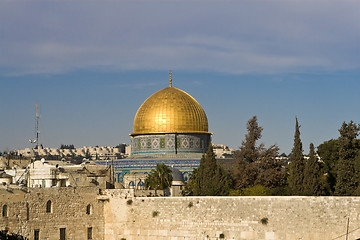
x,y
235,37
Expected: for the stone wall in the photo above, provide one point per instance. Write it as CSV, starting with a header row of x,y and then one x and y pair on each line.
x,y
117,214
271,218
26,212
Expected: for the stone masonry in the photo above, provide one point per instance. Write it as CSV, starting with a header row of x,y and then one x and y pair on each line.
x,y
250,218
117,215
27,212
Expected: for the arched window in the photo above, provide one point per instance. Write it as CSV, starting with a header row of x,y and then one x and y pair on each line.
x,y
88,209
186,176
48,206
141,185
5,211
131,184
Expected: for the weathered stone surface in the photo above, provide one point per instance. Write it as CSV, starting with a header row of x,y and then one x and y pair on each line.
x,y
113,216
289,218
68,210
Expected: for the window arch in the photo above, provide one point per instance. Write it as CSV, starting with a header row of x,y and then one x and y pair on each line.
x,y
141,185
48,206
5,211
88,209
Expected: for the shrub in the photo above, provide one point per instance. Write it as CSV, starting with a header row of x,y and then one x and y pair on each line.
x,y
155,213
129,202
264,221
257,190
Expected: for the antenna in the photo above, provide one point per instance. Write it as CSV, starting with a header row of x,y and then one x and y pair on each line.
x,y
36,128
37,125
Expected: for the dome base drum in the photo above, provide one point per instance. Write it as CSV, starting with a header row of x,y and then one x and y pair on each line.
x,y
160,144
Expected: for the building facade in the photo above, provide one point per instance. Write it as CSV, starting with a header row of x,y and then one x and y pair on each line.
x,y
170,127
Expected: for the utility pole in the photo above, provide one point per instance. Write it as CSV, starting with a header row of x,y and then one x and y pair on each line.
x,y
347,228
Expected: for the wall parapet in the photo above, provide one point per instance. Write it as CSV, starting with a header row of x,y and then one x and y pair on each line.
x,y
271,218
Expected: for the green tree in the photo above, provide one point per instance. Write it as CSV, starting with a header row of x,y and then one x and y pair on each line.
x,y
271,173
296,167
313,175
257,190
347,181
249,151
209,179
160,178
64,146
329,153
245,171
256,164
4,235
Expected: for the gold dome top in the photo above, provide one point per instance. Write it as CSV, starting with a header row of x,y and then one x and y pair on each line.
x,y
170,110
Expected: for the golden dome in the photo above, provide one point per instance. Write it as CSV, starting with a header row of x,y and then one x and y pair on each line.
x,y
170,110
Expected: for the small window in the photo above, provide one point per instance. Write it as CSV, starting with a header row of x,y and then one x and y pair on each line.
x,y
48,206
89,233
36,234
5,211
27,211
88,209
62,233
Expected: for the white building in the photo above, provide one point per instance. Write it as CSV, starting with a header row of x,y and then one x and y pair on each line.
x,y
94,153
221,150
45,174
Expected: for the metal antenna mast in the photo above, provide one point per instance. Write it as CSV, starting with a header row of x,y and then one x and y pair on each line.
x,y
37,125
37,128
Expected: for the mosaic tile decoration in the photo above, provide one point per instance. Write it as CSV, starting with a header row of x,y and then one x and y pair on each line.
x,y
169,143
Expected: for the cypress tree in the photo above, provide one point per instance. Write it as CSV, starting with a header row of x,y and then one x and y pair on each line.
x,y
210,179
313,175
296,168
347,180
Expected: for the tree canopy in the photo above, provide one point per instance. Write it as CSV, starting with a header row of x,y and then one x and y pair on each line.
x,y
209,179
314,178
255,164
347,181
296,168
160,178
64,146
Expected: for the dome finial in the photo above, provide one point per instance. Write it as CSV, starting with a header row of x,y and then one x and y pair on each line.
x,y
170,80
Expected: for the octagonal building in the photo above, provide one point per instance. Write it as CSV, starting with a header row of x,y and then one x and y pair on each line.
x,y
170,127
170,123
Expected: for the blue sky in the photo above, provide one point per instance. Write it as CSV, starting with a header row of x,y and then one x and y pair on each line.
x,y
90,65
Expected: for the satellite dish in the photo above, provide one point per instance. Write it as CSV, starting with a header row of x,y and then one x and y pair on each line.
x,y
43,160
